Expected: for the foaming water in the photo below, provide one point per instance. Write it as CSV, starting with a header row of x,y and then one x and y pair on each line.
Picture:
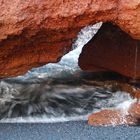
x,y
56,101
68,64
58,92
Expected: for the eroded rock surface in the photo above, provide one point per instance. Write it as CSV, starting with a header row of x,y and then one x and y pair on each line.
x,y
113,50
116,116
36,32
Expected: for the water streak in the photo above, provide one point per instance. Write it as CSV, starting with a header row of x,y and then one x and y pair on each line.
x,y
57,92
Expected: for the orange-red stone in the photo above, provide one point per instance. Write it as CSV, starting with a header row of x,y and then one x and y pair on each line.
x,y
36,32
113,50
116,116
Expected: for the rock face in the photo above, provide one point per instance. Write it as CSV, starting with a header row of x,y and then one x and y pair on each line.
x,y
36,32
113,50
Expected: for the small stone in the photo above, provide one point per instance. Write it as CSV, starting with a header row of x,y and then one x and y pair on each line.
x,y
116,116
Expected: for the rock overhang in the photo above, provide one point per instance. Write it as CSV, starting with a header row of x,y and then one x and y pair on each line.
x,y
34,33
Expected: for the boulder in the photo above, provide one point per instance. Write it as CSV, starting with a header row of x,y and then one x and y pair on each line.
x,y
116,116
36,32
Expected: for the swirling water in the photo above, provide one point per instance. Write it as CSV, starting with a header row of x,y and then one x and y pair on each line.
x,y
58,92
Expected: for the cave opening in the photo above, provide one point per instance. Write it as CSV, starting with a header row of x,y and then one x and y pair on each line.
x,y
62,91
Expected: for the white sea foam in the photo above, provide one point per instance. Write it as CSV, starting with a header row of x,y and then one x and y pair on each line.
x,y
69,62
67,65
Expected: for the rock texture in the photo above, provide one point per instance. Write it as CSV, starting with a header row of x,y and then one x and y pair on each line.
x,y
36,32
127,112
116,117
113,50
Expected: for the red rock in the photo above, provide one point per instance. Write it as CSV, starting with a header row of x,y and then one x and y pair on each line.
x,y
110,117
113,50
128,17
134,110
36,32
116,116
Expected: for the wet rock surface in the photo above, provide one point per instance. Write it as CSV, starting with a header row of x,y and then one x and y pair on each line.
x,y
33,33
56,99
117,116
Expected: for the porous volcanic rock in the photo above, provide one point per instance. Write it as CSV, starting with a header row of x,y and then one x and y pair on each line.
x,y
116,116
36,32
114,50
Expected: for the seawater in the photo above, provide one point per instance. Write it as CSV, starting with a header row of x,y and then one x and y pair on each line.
x,y
58,92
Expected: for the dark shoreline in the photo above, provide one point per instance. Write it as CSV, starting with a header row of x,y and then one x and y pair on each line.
x,y
78,130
